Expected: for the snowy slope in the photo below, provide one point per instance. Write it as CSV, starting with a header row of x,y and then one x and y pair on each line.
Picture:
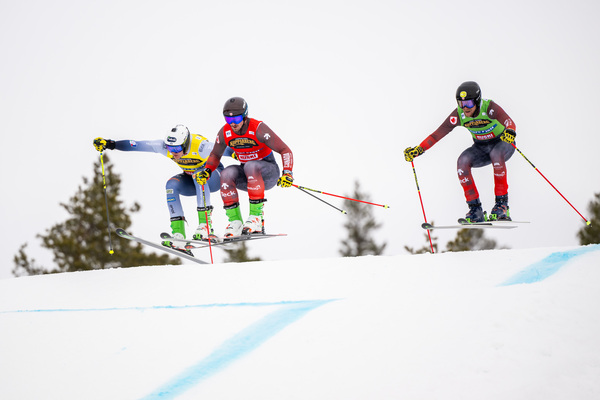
x,y
504,324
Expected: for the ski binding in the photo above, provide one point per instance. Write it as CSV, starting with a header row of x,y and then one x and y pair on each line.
x,y
199,244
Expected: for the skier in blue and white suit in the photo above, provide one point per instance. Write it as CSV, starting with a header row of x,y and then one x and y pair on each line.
x,y
190,152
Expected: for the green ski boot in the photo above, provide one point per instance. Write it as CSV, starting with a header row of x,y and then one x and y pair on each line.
x,y
178,231
234,214
205,230
255,221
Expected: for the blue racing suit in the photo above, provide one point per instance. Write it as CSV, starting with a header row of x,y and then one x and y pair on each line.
x,y
182,184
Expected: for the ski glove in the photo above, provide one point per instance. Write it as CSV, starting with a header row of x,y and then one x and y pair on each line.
x,y
411,152
508,135
286,179
102,144
203,176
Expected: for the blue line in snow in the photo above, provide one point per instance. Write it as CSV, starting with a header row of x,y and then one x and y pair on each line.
x,y
159,307
235,347
548,266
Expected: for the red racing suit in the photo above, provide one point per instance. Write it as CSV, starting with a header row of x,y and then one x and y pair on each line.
x,y
253,146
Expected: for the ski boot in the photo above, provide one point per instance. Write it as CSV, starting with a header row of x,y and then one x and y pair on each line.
x,y
255,222
178,231
205,230
500,212
476,213
234,214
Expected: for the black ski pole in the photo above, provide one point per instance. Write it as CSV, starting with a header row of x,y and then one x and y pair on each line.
x,y
329,204
341,197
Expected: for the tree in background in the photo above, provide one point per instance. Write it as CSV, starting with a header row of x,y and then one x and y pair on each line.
x,y
81,242
360,225
239,253
591,234
469,240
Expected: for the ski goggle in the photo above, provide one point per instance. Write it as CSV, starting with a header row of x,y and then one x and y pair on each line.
x,y
234,120
466,103
175,149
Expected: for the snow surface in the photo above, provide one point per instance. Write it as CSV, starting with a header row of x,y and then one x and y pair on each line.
x,y
501,324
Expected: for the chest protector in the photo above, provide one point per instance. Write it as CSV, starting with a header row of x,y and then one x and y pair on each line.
x,y
191,161
246,146
481,127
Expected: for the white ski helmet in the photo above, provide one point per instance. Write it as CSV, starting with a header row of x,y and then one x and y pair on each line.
x,y
178,139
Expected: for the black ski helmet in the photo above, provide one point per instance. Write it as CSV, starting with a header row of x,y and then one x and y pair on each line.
x,y
235,106
469,91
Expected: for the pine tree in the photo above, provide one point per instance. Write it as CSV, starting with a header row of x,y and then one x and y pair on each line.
x,y
590,234
471,239
239,253
81,242
360,225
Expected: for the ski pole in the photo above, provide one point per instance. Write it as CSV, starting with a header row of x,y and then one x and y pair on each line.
x,y
207,225
329,204
341,197
557,191
421,200
110,250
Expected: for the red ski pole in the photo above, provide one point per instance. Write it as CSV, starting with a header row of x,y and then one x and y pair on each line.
x,y
207,225
557,191
421,200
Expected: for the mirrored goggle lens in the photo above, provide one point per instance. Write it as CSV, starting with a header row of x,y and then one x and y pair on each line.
x,y
466,103
175,149
235,119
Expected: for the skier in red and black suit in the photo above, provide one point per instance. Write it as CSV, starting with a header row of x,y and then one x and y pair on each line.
x,y
253,143
493,133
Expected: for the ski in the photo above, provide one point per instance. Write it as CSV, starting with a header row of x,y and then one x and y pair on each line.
x,y
179,253
192,244
476,225
463,221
